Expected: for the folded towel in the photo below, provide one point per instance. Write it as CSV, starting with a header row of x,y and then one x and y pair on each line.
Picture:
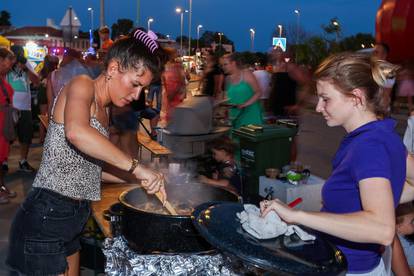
x,y
268,227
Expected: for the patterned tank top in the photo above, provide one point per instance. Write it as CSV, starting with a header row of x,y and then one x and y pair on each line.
x,y
66,170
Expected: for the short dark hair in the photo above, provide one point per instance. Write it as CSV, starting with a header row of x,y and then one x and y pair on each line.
x,y
18,50
236,57
224,143
403,210
132,53
6,53
385,46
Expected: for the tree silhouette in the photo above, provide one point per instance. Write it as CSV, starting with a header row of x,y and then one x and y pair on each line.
x,y
5,18
122,26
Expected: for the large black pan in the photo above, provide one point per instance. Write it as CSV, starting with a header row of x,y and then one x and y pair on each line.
x,y
148,232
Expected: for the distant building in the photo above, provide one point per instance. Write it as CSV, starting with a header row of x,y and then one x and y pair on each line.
x,y
4,29
46,36
50,36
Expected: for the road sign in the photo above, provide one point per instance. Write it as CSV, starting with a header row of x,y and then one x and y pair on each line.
x,y
279,42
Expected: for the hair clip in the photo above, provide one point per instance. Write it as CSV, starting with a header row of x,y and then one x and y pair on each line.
x,y
152,35
148,39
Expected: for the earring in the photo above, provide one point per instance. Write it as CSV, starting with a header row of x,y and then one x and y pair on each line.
x,y
108,77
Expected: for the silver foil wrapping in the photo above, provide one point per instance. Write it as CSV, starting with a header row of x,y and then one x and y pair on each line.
x,y
123,261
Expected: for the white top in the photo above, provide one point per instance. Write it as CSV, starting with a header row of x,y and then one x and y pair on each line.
x,y
263,78
19,81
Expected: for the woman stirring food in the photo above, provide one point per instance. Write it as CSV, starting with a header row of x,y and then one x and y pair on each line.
x,y
44,237
369,169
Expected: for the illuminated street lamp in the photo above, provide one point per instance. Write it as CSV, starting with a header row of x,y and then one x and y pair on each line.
x,y
91,29
150,20
91,10
198,34
252,32
297,12
280,30
180,11
337,27
220,35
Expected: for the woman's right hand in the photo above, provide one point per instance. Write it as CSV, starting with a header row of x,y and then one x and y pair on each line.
x,y
152,181
286,213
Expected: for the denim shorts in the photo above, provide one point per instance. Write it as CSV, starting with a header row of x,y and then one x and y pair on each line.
x,y
45,230
25,127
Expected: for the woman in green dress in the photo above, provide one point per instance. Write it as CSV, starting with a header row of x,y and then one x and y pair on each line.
x,y
243,91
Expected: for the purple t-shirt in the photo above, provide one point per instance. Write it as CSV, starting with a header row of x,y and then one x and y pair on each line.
x,y
372,150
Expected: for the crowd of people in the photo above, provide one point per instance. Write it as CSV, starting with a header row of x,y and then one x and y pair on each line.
x,y
97,103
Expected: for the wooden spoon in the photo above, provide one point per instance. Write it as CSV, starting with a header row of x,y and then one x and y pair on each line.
x,y
166,204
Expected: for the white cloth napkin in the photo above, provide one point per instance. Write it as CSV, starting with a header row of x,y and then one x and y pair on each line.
x,y
409,134
270,226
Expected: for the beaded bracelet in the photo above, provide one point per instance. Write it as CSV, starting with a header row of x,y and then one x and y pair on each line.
x,y
133,165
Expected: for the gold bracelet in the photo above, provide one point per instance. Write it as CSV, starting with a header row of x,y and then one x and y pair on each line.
x,y
133,165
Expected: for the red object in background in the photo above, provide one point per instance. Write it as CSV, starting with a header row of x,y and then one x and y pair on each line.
x,y
295,202
395,27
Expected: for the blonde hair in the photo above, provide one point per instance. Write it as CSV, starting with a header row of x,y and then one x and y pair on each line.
x,y
348,71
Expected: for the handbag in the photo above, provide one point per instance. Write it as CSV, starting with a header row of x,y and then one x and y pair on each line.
x,y
11,117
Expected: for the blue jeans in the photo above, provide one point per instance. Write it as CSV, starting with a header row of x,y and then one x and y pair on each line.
x,y
155,91
45,230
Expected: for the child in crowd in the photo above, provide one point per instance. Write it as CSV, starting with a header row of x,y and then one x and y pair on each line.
x,y
226,174
405,227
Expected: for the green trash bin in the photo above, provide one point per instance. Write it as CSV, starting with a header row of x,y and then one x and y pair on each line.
x,y
262,147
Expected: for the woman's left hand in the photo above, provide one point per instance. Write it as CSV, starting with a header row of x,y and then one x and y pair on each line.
x,y
285,212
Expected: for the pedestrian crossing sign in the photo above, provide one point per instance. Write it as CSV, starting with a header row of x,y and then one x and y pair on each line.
x,y
279,42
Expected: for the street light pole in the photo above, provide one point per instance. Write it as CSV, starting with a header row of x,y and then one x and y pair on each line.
x,y
297,12
91,30
220,34
102,15
138,11
252,32
280,30
336,24
150,20
180,11
91,10
189,27
198,34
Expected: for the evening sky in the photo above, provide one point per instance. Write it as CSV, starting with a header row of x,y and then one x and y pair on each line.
x,y
232,17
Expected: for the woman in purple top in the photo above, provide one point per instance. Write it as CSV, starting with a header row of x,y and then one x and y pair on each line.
x,y
369,168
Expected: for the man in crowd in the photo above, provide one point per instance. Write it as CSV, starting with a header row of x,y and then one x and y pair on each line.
x,y
20,77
